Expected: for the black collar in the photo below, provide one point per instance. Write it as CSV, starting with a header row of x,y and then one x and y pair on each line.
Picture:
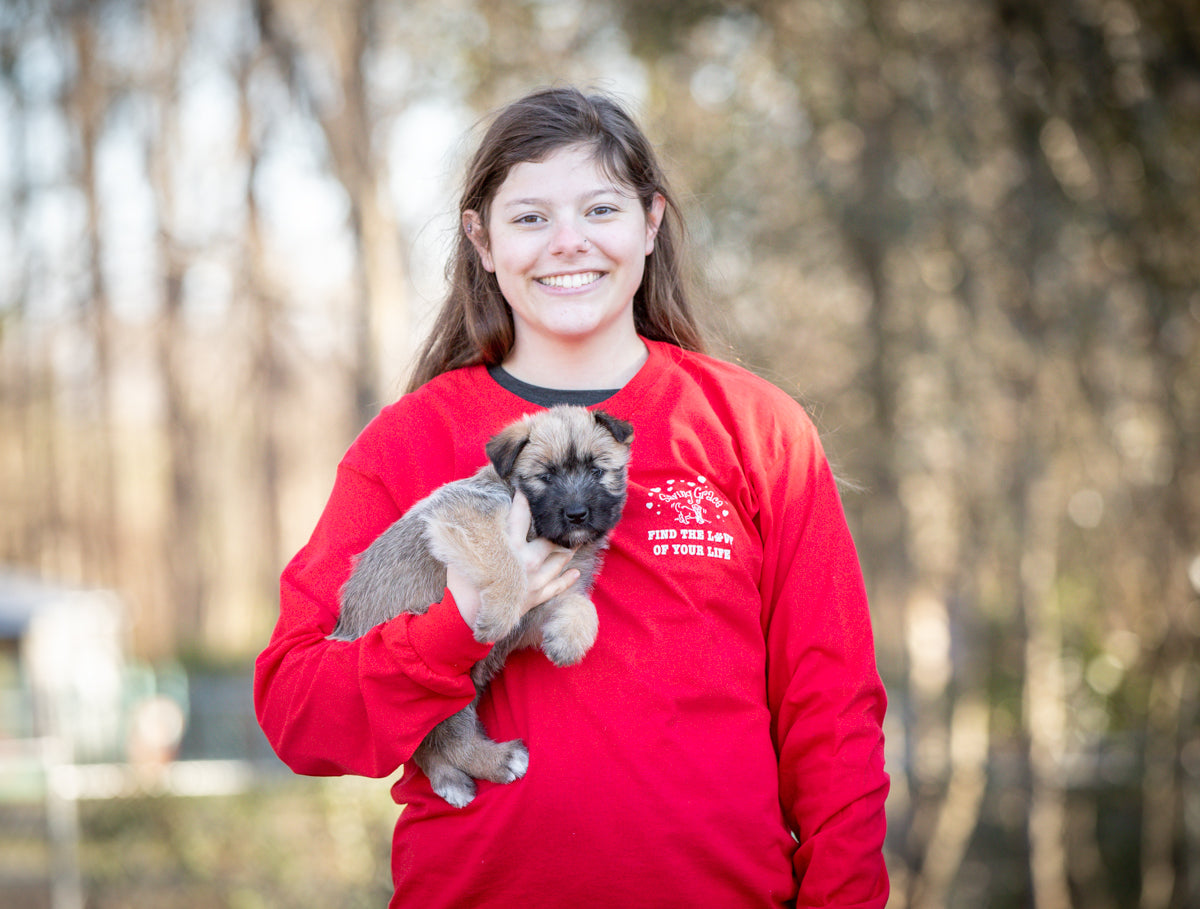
x,y
548,397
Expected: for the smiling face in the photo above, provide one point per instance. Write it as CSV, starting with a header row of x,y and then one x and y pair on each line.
x,y
568,247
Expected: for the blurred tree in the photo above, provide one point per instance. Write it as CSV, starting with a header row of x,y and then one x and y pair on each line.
x,y
348,122
188,569
268,379
88,103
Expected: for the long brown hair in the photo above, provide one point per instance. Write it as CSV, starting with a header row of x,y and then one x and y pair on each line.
x,y
474,324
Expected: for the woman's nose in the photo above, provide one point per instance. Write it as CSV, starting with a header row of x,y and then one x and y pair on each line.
x,y
568,237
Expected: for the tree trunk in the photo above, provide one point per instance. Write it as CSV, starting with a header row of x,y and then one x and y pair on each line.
x,y
381,319
1045,706
183,550
101,525
267,385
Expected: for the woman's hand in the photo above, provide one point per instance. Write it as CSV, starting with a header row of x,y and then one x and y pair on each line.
x,y
545,566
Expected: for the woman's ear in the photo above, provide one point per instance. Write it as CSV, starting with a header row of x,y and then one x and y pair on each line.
x,y
472,225
654,216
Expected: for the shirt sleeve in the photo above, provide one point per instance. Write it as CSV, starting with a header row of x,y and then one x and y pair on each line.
x,y
826,698
363,706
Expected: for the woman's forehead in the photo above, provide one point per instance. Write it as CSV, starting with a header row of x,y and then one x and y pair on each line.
x,y
578,170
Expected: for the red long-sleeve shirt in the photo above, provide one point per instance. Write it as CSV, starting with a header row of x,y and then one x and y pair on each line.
x,y
720,745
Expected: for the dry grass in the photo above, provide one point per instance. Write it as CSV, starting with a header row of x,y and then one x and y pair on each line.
x,y
290,843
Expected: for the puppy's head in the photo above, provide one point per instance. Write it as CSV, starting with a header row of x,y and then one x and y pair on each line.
x,y
572,465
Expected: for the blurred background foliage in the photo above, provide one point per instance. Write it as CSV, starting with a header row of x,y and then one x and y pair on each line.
x,y
964,233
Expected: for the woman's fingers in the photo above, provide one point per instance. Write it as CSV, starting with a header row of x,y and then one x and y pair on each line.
x,y
544,562
551,568
545,566
546,571
519,521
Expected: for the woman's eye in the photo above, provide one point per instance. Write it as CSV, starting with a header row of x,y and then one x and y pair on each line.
x,y
528,219
604,210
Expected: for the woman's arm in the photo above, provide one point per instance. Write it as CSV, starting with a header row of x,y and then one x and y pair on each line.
x,y
362,706
827,701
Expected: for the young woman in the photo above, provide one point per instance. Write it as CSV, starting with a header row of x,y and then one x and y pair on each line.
x,y
721,743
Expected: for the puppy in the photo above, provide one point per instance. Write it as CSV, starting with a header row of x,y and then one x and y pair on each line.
x,y
572,466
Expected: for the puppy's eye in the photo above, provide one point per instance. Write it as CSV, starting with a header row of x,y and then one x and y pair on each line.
x,y
598,472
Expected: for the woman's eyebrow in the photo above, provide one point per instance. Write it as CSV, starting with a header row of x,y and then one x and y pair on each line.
x,y
586,197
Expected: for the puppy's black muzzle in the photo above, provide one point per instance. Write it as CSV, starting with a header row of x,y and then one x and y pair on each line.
x,y
573,509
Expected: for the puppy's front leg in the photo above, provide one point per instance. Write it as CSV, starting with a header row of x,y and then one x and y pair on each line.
x,y
476,545
570,629
501,597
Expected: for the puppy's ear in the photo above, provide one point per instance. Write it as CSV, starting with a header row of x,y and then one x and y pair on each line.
x,y
505,447
621,430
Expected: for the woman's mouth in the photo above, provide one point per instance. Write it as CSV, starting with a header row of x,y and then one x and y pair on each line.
x,y
570,282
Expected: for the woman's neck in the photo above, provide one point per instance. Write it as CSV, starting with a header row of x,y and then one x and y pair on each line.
x,y
586,365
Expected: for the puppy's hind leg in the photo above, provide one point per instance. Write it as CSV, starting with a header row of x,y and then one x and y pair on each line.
x,y
474,752
458,751
456,787
499,762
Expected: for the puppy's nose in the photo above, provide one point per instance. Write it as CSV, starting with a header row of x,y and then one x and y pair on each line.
x,y
576,514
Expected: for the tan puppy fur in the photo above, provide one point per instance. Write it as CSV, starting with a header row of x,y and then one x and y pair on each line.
x,y
571,464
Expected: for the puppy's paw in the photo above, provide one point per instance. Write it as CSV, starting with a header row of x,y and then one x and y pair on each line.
x,y
454,786
518,760
491,628
500,762
570,631
499,612
563,653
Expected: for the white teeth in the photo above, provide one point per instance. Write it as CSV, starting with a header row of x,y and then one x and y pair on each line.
x,y
570,281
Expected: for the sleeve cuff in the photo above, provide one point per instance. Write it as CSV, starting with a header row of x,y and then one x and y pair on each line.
x,y
443,640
